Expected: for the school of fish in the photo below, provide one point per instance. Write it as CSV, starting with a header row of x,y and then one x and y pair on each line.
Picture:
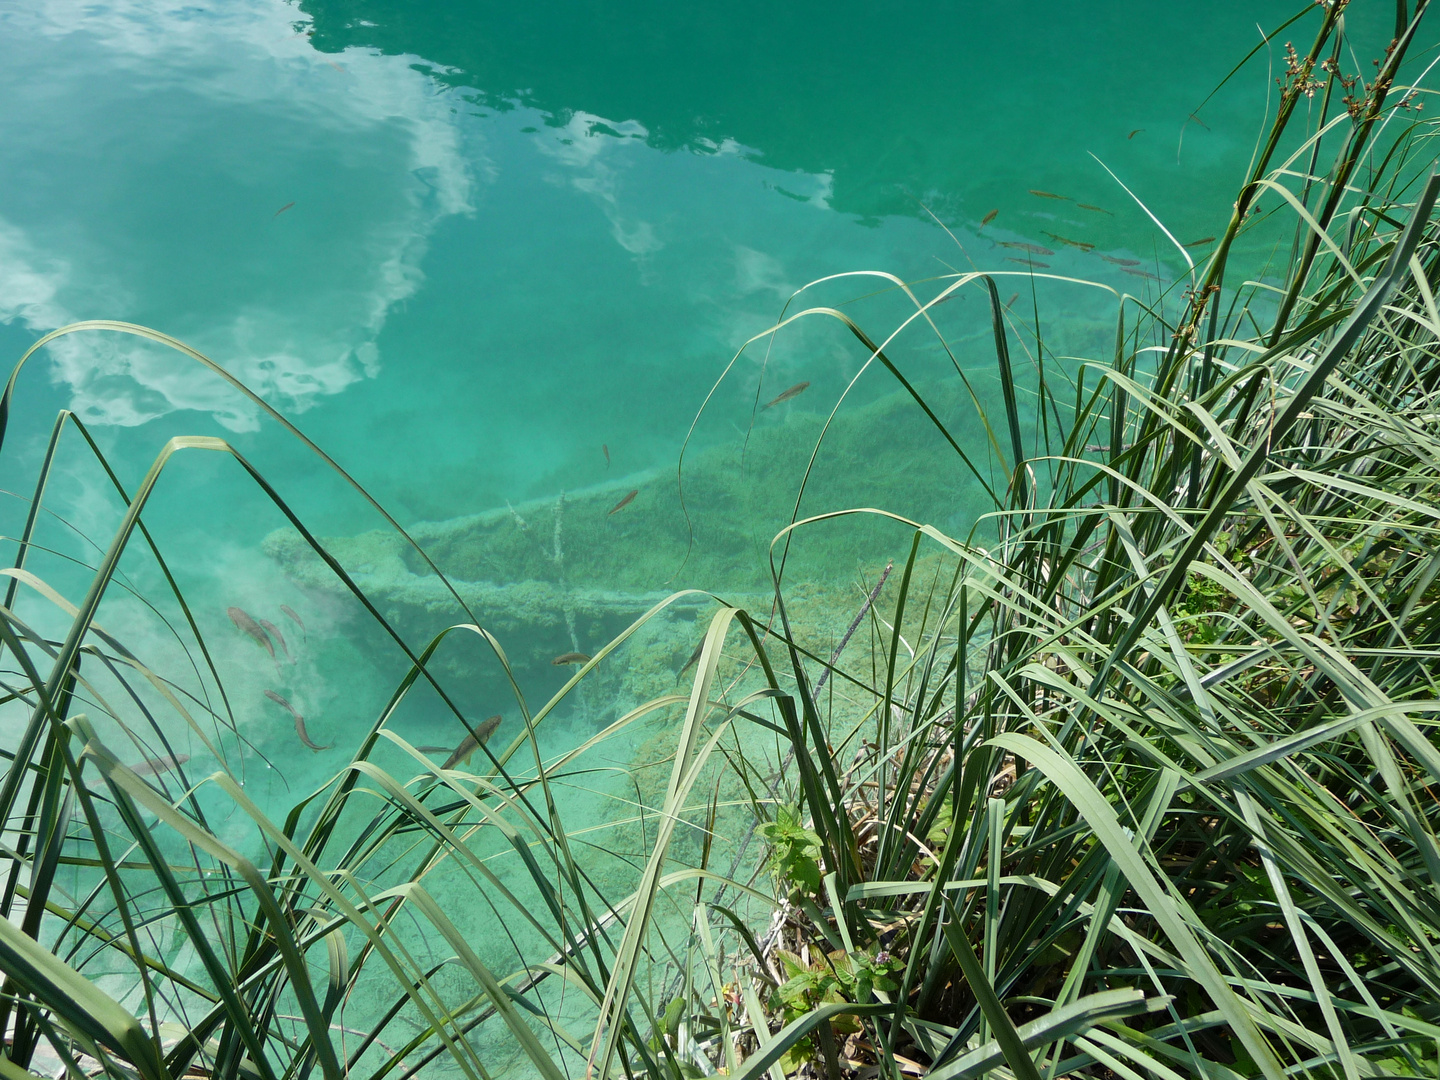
x,y
267,635
1129,266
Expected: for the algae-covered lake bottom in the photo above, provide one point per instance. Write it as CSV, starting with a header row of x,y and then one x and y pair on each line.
x,y
569,574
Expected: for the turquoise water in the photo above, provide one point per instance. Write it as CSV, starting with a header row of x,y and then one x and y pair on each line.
x,y
484,255
519,235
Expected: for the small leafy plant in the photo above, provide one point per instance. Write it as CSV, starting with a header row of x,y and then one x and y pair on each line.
x,y
831,978
795,852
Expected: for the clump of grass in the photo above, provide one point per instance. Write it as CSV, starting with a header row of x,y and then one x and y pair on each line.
x,y
1146,786
1139,780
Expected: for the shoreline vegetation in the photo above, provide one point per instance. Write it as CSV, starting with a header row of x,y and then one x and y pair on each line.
x,y
1135,778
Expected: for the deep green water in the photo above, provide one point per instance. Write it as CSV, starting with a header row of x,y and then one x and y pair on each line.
x,y
466,246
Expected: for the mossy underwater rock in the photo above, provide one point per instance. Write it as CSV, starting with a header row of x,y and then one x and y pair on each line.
x,y
571,572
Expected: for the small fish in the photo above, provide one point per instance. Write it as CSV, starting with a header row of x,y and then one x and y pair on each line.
x,y
606,450
1201,242
989,217
468,745
1141,273
1033,249
155,766
1081,244
245,623
626,501
299,720
571,658
1097,209
274,632
289,613
694,659
283,209
1132,134
1012,299
336,66
1050,195
794,391
1120,262
1029,262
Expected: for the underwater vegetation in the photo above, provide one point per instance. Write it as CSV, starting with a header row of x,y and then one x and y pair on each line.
x,y
1135,775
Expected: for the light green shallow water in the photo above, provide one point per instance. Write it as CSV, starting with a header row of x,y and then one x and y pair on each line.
x,y
464,247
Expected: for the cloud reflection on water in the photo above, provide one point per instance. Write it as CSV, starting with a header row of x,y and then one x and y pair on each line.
x,y
298,315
